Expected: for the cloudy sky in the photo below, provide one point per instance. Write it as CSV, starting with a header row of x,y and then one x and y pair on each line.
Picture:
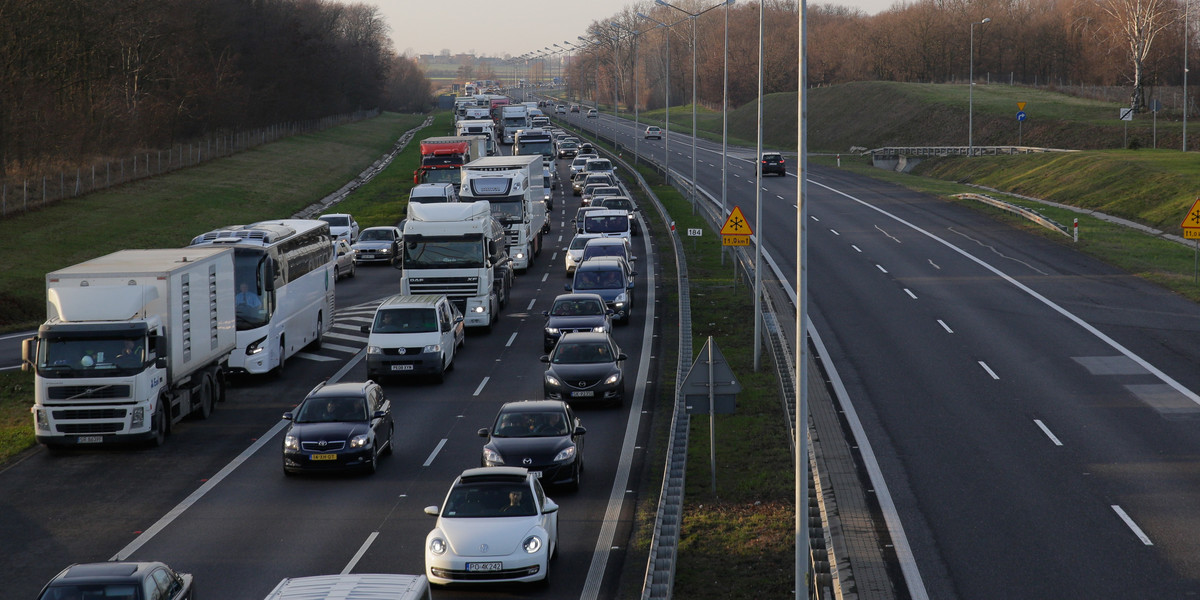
x,y
480,27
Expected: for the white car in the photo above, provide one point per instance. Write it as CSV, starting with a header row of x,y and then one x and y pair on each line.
x,y
592,114
496,525
341,226
346,259
573,253
654,133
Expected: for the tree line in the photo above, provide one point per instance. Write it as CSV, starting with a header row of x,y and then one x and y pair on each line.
x,y
1134,43
82,79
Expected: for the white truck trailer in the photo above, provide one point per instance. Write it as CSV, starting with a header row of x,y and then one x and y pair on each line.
x,y
133,342
514,186
459,250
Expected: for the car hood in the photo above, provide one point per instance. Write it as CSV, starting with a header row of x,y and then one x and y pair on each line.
x,y
487,536
576,322
342,431
584,372
541,450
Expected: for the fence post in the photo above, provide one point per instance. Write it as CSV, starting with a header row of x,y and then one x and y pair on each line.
x,y
77,173
107,173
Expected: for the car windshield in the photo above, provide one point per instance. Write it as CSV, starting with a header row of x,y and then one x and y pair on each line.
x,y
530,424
376,235
606,224
582,353
599,279
568,144
332,409
490,499
336,221
577,308
99,591
594,250
579,241
405,320
618,203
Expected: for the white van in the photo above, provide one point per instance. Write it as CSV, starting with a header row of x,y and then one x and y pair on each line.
x,y
433,192
607,223
413,335
367,586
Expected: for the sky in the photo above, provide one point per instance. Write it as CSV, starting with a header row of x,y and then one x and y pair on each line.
x,y
480,27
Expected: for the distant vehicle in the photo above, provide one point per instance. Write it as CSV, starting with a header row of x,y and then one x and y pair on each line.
x,y
592,114
573,253
344,267
654,133
585,367
575,312
560,109
574,108
118,580
600,193
544,436
341,226
378,244
578,164
367,586
567,149
434,192
339,426
414,335
608,246
773,162
505,506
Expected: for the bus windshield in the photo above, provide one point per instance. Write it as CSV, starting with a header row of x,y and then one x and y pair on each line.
x,y
254,303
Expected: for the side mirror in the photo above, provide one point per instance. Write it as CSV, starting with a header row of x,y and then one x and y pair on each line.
x,y
545,313
580,430
379,414
621,356
432,511
458,319
287,416
550,507
566,287
544,358
365,328
483,432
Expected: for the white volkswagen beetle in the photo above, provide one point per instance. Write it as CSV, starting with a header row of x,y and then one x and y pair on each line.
x,y
495,525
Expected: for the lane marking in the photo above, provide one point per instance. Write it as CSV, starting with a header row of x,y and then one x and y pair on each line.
x,y
510,340
835,232
989,370
1046,430
316,357
433,455
1128,521
361,551
534,301
545,277
910,294
481,384
945,326
880,267
856,248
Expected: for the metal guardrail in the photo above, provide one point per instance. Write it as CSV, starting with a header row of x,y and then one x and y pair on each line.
x,y
1032,215
959,150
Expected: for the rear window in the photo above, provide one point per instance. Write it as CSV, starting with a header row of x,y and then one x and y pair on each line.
x,y
337,221
599,165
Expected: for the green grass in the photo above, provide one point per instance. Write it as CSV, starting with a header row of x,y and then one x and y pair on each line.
x,y
16,422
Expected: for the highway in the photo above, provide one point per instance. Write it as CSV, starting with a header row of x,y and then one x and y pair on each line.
x,y
1033,410
213,501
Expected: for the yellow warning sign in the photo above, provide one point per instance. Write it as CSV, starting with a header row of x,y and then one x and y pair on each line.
x,y
736,224
1191,223
735,240
1020,106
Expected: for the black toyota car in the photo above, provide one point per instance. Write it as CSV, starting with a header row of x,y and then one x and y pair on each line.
x,y
339,426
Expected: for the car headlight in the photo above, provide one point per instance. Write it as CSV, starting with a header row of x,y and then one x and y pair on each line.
x,y
621,299
492,456
360,441
433,349
566,455
374,350
615,377
138,420
552,381
599,329
552,330
437,546
291,442
532,544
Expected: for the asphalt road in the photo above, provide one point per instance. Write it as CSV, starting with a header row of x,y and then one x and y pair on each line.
x,y
1032,410
214,502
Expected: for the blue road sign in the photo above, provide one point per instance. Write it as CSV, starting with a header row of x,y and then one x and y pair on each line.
x,y
1020,115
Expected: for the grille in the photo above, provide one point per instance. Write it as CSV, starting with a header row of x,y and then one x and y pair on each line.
x,y
513,237
486,575
581,384
328,447
81,414
87,392
450,286
86,428
407,351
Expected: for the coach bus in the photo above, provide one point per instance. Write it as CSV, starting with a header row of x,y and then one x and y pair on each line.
x,y
284,274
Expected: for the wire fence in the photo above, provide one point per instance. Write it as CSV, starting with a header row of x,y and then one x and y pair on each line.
x,y
32,193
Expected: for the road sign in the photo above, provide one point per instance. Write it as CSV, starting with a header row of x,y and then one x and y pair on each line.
x,y
735,240
1191,223
1155,105
710,373
1021,106
736,224
1126,114
1020,115
694,231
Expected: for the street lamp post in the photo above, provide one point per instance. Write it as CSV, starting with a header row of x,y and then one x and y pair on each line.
x,y
971,90
693,17
636,124
725,120
667,98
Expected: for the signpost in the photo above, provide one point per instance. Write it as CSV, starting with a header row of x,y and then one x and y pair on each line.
x,y
736,231
1020,123
1191,231
710,389
1127,116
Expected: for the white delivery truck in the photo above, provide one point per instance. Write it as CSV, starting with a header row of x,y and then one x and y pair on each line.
x,y
366,586
459,250
485,128
514,186
512,118
133,342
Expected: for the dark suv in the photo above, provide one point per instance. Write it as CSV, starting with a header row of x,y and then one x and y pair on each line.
x,y
773,162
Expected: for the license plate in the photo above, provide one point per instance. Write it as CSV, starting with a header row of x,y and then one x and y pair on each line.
x,y
324,457
485,566
588,394
91,439
368,256
402,367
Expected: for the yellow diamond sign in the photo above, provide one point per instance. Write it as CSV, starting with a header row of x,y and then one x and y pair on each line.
x,y
1191,223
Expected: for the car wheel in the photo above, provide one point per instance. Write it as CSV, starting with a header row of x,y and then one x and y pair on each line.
x,y
578,480
337,273
440,376
373,465
353,266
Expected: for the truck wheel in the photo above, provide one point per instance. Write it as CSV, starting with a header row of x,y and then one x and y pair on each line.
x,y
206,398
316,343
161,425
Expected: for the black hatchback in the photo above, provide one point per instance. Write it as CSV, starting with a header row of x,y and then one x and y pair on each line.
x,y
544,436
773,162
119,580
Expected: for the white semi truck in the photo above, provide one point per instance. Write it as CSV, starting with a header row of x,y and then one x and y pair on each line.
x,y
459,250
133,342
535,141
514,186
512,117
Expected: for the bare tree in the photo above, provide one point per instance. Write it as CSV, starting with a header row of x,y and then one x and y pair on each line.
x,y
1136,23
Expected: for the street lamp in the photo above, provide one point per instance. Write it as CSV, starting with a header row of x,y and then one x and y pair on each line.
x,y
667,99
636,125
693,16
971,91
